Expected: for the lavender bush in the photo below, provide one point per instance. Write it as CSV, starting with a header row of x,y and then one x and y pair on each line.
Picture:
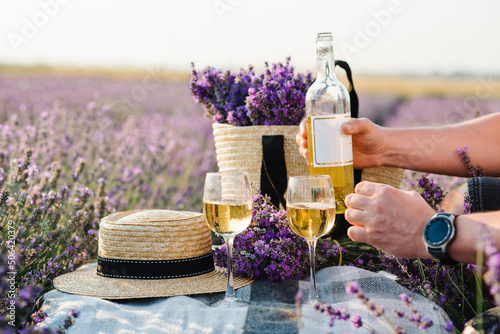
x,y
275,97
67,159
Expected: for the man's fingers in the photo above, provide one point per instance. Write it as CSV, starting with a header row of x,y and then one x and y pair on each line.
x,y
301,139
303,152
356,217
301,136
357,233
303,143
298,138
366,188
356,201
303,126
355,125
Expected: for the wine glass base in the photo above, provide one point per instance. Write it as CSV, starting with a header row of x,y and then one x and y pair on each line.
x,y
313,301
230,302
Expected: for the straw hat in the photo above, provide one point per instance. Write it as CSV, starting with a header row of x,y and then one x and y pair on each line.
x,y
150,253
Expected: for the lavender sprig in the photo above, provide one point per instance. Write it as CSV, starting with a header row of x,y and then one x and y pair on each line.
x,y
431,192
415,317
337,313
472,170
352,288
467,206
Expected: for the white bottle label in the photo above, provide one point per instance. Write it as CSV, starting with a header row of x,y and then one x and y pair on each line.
x,y
331,147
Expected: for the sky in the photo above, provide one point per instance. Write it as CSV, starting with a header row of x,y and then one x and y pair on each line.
x,y
375,36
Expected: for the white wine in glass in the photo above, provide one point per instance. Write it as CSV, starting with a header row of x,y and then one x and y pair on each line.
x,y
311,214
226,217
227,207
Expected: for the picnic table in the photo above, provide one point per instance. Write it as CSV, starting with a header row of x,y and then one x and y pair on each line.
x,y
272,308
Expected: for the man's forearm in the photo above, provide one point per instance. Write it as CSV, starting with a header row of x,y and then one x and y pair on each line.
x,y
470,233
434,150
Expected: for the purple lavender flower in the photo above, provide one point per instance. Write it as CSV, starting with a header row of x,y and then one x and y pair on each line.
x,y
276,97
399,314
472,170
352,288
431,192
448,327
335,313
222,93
415,317
356,321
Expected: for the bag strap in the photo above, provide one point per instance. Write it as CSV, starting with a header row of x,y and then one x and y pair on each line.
x,y
273,172
352,93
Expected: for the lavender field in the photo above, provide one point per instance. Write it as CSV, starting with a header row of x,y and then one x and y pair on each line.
x,y
147,150
76,148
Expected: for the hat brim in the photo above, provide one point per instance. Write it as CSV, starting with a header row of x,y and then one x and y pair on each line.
x,y
86,282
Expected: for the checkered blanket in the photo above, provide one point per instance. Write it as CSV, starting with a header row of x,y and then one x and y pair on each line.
x,y
272,309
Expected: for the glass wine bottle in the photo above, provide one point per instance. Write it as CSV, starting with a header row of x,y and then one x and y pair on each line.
x,y
327,108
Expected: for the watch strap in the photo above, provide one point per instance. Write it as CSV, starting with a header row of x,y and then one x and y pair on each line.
x,y
442,257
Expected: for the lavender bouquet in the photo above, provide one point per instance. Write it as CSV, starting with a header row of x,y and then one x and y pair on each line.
x,y
275,97
270,250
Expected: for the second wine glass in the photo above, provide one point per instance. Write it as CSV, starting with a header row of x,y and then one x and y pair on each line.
x,y
311,214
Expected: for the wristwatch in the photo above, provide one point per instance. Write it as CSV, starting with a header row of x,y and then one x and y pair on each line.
x,y
438,234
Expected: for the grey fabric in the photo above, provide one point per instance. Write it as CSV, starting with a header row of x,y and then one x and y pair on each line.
x,y
272,309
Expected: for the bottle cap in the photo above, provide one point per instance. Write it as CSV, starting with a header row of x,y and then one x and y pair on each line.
x,y
324,36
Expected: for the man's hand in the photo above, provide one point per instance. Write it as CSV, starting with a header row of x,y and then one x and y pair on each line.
x,y
301,139
389,219
368,141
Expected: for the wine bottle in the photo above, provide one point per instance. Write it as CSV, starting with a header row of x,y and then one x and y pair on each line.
x,y
327,108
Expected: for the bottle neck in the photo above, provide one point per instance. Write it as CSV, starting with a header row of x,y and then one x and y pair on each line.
x,y
324,61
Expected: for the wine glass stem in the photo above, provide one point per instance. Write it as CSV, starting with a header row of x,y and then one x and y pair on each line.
x,y
230,287
313,294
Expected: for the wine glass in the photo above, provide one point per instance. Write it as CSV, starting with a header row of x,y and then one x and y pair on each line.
x,y
227,207
311,214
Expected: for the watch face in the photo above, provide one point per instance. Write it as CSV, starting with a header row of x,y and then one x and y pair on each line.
x,y
438,231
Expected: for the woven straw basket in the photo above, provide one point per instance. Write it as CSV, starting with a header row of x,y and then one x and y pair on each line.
x,y
239,148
